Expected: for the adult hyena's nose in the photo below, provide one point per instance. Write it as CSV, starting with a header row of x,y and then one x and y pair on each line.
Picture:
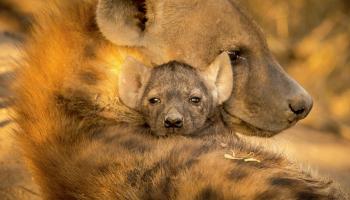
x,y
173,119
300,105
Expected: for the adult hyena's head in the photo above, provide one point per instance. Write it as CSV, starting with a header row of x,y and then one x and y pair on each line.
x,y
264,101
175,98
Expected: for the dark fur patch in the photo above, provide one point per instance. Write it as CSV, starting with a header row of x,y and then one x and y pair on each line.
x,y
14,36
162,190
268,195
77,103
237,175
4,123
142,15
309,195
9,10
284,182
203,149
190,163
172,166
89,51
255,165
92,28
133,177
135,145
209,193
89,78
150,172
167,187
106,168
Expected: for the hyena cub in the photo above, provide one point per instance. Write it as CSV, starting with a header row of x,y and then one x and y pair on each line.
x,y
175,98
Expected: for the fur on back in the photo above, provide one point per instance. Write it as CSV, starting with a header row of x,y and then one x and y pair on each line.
x,y
66,50
67,67
126,163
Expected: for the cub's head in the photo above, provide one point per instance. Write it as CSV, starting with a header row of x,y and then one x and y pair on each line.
x,y
175,98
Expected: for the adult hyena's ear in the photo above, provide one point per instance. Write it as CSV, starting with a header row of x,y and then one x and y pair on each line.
x,y
122,21
133,78
219,78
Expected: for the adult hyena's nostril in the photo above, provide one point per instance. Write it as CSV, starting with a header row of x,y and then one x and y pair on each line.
x,y
301,106
297,109
173,122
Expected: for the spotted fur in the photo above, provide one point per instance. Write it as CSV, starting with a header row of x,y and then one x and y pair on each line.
x,y
126,163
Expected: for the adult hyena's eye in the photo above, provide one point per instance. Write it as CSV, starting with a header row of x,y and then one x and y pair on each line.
x,y
154,101
195,100
235,55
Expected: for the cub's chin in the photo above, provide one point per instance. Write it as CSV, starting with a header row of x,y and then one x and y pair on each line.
x,y
165,132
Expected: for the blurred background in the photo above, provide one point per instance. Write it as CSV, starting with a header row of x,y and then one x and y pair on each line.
x,y
311,40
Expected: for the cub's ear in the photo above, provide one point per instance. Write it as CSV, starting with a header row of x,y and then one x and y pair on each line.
x,y
219,78
133,78
122,21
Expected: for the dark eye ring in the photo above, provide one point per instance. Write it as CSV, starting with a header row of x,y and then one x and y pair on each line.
x,y
235,55
195,100
154,101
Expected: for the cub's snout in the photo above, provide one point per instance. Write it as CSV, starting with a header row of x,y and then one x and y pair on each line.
x,y
173,119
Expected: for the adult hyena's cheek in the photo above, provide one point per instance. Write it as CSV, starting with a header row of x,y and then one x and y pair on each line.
x,y
267,101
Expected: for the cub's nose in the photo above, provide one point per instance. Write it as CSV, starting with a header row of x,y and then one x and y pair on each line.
x,y
173,119
173,122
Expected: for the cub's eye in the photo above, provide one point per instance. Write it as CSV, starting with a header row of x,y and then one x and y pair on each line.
x,y
235,55
195,100
154,101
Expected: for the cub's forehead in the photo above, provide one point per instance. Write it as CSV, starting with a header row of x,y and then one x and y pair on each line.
x,y
175,72
180,92
175,75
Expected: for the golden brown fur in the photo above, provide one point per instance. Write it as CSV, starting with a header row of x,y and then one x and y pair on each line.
x,y
67,135
56,62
